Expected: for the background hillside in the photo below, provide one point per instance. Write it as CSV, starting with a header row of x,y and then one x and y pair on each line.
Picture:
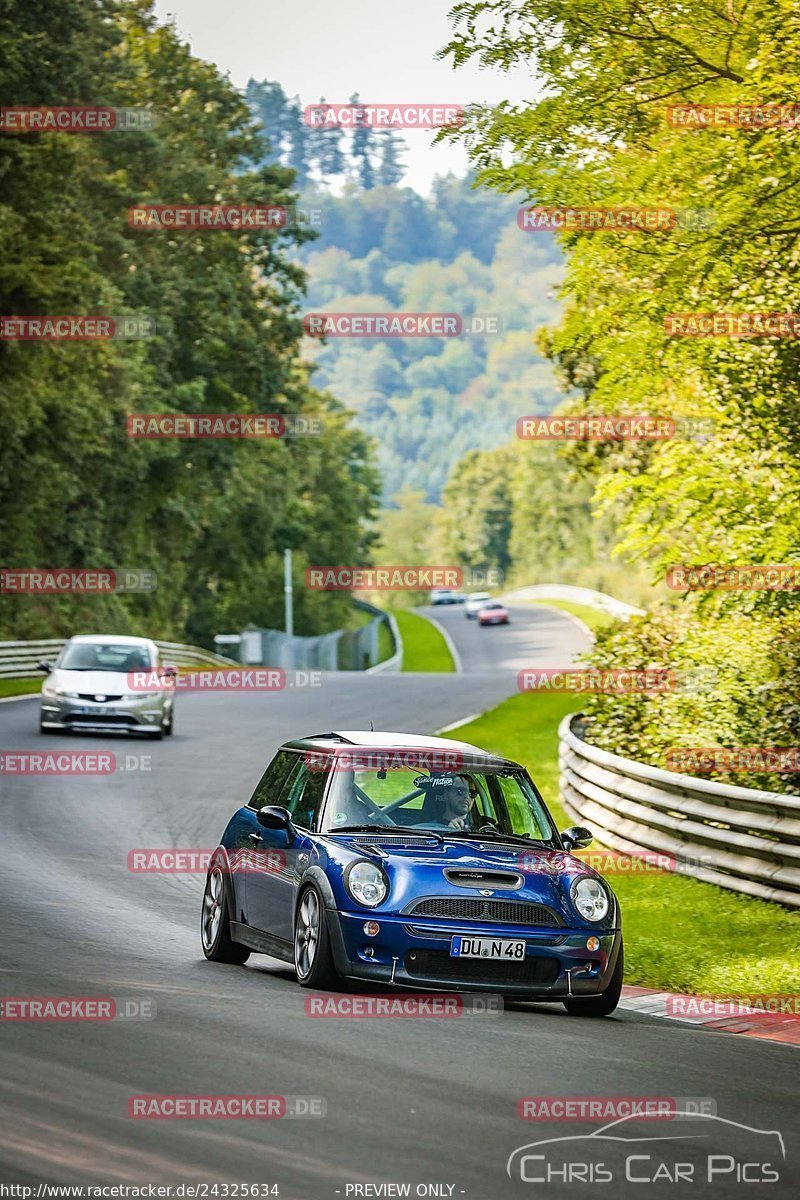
x,y
382,247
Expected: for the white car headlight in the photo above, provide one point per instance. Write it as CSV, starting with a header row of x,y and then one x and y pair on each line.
x,y
52,692
367,884
590,898
144,696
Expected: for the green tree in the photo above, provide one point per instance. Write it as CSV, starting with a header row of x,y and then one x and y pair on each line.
x,y
391,167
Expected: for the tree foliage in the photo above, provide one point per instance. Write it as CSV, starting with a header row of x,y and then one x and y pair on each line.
x,y
600,134
210,517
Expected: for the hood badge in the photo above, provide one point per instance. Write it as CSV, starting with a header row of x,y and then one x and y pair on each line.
x,y
486,892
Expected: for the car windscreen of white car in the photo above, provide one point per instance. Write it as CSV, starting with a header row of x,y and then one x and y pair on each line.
x,y
104,656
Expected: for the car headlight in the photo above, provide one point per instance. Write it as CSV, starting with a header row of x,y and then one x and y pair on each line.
x,y
144,696
51,693
367,884
590,898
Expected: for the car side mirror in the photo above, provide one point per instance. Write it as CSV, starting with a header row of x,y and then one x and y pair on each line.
x,y
44,666
170,670
273,816
577,837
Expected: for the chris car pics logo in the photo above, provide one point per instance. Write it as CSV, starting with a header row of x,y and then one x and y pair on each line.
x,y
692,1148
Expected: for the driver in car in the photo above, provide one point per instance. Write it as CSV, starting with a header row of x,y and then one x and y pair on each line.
x,y
455,795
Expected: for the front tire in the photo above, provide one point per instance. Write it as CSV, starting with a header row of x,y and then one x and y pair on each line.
x,y
215,929
604,1004
313,957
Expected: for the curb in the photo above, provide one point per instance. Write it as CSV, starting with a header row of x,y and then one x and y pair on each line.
x,y
772,1027
457,667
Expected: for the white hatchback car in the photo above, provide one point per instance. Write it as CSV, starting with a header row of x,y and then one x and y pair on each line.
x,y
90,687
475,602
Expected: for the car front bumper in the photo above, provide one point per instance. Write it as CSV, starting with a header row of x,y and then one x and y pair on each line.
x,y
416,954
130,714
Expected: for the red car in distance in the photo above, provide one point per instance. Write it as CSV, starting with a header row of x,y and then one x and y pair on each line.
x,y
493,613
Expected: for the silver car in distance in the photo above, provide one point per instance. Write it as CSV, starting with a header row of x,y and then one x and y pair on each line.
x,y
89,687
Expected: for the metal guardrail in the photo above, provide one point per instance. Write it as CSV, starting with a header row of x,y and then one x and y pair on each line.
x,y
395,663
578,595
355,649
737,838
18,659
343,649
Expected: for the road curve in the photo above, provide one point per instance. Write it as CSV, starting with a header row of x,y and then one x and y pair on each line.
x,y
408,1101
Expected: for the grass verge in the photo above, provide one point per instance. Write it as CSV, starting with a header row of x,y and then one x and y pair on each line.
x,y
680,934
20,687
424,648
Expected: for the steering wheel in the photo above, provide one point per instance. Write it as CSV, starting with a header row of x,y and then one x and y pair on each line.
x,y
375,815
489,827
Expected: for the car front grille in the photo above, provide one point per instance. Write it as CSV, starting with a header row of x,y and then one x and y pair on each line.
x,y
506,912
98,718
94,695
437,964
430,931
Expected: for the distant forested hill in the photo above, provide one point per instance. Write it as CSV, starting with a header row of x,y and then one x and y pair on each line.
x,y
383,247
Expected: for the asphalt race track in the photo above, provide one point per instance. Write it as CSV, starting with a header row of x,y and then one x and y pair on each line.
x,y
422,1101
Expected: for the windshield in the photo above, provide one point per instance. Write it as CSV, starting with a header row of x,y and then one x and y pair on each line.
x,y
492,803
104,656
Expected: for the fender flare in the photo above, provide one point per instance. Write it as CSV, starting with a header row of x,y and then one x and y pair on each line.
x,y
221,852
320,880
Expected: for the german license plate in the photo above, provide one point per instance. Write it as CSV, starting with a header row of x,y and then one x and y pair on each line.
x,y
482,947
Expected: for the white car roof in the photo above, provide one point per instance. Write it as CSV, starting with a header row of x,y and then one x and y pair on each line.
x,y
361,737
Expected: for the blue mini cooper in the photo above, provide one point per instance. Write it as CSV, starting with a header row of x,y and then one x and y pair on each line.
x,y
419,863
